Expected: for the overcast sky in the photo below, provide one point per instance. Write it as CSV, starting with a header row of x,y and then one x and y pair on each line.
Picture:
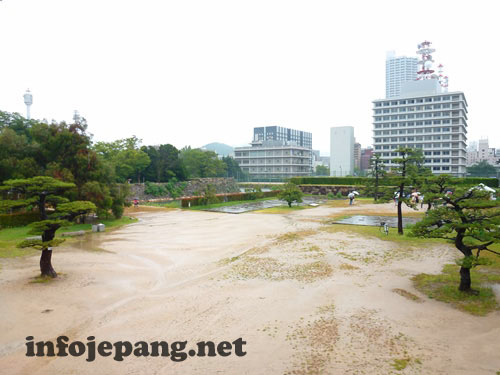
x,y
193,72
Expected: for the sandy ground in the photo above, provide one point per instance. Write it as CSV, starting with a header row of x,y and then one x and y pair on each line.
x,y
309,302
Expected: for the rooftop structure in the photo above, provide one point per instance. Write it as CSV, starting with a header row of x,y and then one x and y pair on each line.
x,y
278,133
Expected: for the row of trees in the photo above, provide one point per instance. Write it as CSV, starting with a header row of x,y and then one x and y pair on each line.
x,y
99,171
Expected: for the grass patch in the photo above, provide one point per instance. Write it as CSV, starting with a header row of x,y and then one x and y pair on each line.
x,y
225,204
407,295
10,237
170,204
400,364
348,267
352,212
371,231
294,236
282,209
42,280
444,287
344,202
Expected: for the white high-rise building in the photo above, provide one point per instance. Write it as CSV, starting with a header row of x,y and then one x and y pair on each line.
x,y
341,151
398,69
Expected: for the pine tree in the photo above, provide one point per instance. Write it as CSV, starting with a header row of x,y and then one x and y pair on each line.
x,y
55,211
469,218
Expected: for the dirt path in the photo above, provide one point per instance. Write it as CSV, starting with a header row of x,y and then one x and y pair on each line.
x,y
305,300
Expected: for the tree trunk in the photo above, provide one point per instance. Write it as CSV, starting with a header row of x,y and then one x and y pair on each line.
x,y
400,211
464,280
46,264
46,259
41,207
400,217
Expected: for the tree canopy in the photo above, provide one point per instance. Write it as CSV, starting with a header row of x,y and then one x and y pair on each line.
x,y
482,169
469,218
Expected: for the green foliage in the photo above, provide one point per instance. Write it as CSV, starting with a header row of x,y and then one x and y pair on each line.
x,y
209,195
125,157
18,219
330,195
472,261
199,163
291,193
233,169
322,170
165,163
482,169
254,193
469,218
39,244
339,194
100,195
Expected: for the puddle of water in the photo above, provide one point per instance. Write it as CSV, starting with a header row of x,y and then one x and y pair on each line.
x,y
253,206
392,221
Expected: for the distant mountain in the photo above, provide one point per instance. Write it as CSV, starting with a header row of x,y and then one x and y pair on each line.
x,y
219,148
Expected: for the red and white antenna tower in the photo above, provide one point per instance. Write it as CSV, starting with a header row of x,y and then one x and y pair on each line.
x,y
443,80
425,70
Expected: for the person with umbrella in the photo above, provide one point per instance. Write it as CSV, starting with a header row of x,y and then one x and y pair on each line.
x,y
351,196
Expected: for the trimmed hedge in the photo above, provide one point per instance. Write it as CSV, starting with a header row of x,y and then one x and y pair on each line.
x,y
388,181
18,219
232,197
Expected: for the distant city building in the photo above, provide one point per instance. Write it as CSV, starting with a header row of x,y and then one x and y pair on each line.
x,y
341,151
277,133
481,151
325,160
274,160
366,156
398,70
357,155
424,116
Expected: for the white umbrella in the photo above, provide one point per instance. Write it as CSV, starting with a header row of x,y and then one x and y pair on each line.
x,y
355,192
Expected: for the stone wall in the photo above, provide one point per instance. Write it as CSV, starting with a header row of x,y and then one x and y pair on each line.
x,y
222,185
326,189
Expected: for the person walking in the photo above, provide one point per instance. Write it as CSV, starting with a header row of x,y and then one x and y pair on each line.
x,y
351,198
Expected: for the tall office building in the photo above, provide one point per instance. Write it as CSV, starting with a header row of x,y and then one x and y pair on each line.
x,y
398,69
424,116
341,151
277,133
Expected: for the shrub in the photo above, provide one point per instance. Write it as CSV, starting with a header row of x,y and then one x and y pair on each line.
x,y
339,194
330,195
19,219
117,210
291,193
